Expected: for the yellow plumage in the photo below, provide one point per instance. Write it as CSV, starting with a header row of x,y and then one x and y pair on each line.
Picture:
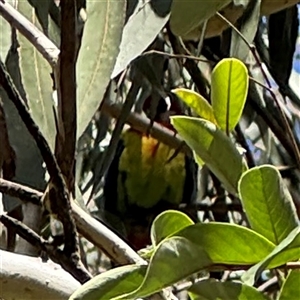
x,y
150,177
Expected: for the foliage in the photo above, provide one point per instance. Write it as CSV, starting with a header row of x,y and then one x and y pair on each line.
x,y
78,71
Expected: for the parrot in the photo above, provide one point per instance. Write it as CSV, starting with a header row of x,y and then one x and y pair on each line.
x,y
142,181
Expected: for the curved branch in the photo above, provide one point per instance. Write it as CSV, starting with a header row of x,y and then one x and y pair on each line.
x,y
18,278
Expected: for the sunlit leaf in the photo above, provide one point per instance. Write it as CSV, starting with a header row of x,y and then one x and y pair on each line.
x,y
197,247
139,32
267,202
214,148
168,223
287,250
36,79
290,288
229,88
197,103
111,283
97,55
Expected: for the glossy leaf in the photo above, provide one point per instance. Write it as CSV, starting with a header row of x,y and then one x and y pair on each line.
x,y
214,148
36,79
97,55
174,259
211,289
197,247
139,32
287,250
197,103
229,88
228,243
291,288
267,202
168,223
111,283
187,15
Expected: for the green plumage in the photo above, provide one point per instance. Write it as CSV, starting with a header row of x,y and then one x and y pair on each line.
x,y
150,178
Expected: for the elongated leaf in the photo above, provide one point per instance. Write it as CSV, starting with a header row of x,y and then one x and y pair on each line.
x,y
29,162
214,148
97,56
139,32
197,247
211,289
187,15
291,288
111,283
197,103
287,250
5,36
168,223
229,88
268,204
249,23
36,79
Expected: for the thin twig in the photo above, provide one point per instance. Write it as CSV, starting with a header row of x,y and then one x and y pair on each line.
x,y
78,271
60,203
268,87
37,38
109,154
284,120
142,124
93,230
177,56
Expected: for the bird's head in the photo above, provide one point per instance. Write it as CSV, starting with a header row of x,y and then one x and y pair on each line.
x,y
161,110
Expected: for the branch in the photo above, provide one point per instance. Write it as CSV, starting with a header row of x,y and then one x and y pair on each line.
x,y
93,230
143,124
66,144
51,53
18,278
45,46
76,269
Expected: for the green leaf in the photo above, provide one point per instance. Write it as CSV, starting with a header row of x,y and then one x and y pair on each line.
x,y
5,36
168,223
211,290
198,160
111,283
267,202
229,88
139,32
287,250
196,102
228,243
187,15
214,148
97,55
36,79
198,247
29,169
290,288
174,259
248,28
